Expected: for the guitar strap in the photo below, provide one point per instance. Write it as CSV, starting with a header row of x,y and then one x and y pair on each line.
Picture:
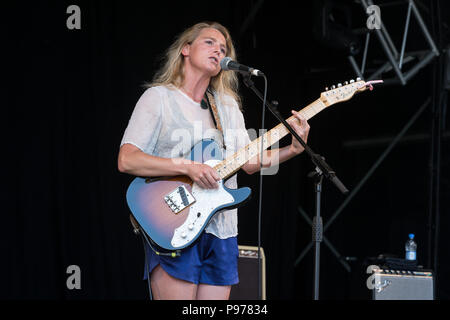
x,y
209,97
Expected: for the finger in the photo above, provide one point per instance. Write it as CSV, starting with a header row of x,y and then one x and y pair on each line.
x,y
298,114
211,181
297,127
214,174
301,118
201,184
304,124
206,184
209,177
293,122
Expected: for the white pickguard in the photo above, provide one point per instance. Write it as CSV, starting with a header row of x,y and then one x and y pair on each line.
x,y
207,200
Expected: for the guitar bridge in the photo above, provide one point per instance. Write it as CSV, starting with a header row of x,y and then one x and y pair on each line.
x,y
179,199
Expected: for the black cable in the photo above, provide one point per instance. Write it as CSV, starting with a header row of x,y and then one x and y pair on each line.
x,y
261,187
146,265
146,240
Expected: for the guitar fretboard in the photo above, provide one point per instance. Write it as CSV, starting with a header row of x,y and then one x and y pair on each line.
x,y
234,162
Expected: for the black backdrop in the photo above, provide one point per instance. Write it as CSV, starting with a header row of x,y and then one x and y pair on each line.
x,y
70,93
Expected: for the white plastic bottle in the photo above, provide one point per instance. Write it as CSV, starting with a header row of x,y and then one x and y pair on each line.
x,y
411,248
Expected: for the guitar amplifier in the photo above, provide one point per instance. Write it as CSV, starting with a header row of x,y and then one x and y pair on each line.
x,y
247,288
390,284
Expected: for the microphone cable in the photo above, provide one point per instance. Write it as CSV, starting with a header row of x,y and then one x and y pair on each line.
x,y
261,187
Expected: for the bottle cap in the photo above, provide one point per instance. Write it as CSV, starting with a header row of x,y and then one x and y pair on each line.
x,y
411,236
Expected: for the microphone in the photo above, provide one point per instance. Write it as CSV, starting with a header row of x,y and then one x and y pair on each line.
x,y
228,64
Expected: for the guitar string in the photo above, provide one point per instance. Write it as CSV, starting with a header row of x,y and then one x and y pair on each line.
x,y
230,166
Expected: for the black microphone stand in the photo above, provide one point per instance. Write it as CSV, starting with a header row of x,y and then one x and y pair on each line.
x,y
322,170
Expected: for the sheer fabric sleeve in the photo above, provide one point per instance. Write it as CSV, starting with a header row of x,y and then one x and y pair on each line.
x,y
239,134
145,122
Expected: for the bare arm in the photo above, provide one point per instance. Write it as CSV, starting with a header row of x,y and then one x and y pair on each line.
x,y
133,161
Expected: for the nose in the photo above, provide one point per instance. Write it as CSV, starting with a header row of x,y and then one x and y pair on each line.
x,y
218,50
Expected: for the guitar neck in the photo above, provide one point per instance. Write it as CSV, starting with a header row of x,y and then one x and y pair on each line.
x,y
234,162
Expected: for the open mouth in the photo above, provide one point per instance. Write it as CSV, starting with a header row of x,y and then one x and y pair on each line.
x,y
214,60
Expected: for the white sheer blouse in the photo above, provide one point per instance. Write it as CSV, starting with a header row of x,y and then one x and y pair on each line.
x,y
167,123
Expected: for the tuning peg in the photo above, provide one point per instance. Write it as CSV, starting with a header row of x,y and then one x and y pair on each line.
x,y
345,83
326,88
351,81
339,85
333,87
358,79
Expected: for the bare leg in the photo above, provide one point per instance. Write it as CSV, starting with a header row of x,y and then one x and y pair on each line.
x,y
166,287
210,292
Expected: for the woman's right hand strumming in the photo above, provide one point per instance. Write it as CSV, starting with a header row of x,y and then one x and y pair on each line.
x,y
203,175
133,161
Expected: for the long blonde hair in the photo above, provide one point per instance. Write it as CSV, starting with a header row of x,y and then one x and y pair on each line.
x,y
172,70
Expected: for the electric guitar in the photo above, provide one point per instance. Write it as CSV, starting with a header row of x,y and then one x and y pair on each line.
x,y
174,211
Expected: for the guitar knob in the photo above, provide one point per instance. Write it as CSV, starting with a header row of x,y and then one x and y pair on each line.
x,y
339,85
345,83
183,234
358,79
191,226
333,87
351,81
326,88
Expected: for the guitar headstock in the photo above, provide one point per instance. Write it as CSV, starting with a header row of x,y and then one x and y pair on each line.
x,y
343,92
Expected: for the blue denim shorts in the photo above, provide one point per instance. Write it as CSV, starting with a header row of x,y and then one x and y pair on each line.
x,y
210,260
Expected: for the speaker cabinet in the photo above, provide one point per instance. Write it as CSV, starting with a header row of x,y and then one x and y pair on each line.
x,y
247,288
402,285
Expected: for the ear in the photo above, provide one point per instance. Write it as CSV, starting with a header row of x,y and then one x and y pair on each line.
x,y
186,49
